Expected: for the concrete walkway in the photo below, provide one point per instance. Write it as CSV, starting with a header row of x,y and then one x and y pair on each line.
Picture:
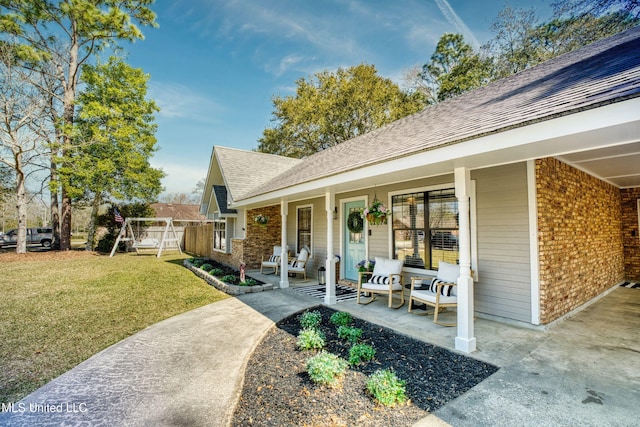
x,y
187,370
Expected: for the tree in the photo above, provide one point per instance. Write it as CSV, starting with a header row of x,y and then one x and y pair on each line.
x,y
455,68
198,190
520,43
330,108
511,43
82,27
21,122
114,139
578,8
179,199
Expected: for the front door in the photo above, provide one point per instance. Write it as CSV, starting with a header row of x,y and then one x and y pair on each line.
x,y
354,242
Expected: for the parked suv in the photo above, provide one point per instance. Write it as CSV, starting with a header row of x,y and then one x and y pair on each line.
x,y
42,236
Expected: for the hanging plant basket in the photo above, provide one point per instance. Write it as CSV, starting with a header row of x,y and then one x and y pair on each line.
x,y
376,213
355,223
376,220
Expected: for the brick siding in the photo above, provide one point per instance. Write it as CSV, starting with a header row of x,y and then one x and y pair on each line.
x,y
579,237
261,238
631,233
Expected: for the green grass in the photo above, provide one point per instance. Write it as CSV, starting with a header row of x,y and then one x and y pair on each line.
x,y
55,314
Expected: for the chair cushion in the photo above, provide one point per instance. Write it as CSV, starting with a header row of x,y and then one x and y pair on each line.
x,y
376,287
448,272
385,267
274,258
445,290
431,297
269,264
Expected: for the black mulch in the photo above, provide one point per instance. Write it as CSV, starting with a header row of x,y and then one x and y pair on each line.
x,y
278,392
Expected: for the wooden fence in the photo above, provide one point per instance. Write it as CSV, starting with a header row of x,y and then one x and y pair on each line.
x,y
198,240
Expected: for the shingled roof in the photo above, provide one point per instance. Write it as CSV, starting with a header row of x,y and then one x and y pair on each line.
x,y
605,72
245,170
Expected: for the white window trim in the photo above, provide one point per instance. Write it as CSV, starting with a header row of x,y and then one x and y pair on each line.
x,y
312,233
474,225
227,239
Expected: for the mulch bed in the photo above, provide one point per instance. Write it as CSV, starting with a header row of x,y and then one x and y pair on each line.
x,y
278,392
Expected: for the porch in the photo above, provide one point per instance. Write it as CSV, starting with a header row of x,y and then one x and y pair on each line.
x,y
582,369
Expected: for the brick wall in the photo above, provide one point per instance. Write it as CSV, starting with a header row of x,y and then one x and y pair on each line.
x,y
261,238
631,233
579,237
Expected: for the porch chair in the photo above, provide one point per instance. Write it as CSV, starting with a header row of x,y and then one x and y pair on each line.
x,y
299,264
386,278
440,293
272,261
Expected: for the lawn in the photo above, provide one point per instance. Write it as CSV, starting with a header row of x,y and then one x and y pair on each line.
x,y
59,308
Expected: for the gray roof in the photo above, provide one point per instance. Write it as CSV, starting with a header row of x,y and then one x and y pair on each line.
x,y
605,72
246,170
220,192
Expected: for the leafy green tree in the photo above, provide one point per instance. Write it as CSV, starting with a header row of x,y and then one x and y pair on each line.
x,y
56,37
330,108
114,141
455,68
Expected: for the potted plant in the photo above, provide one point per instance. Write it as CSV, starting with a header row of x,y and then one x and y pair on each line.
x,y
365,265
376,213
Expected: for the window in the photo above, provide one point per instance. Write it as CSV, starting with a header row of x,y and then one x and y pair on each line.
x,y
220,235
304,227
425,228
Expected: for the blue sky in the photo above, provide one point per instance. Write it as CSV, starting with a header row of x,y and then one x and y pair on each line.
x,y
215,65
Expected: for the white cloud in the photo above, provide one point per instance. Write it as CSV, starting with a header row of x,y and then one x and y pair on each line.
x,y
179,101
460,26
180,178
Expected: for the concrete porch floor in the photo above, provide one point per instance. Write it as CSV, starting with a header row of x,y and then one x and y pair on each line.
x,y
583,370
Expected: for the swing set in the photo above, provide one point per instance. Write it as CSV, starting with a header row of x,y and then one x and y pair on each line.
x,y
126,234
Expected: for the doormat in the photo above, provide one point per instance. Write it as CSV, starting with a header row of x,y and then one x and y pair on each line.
x,y
343,293
633,285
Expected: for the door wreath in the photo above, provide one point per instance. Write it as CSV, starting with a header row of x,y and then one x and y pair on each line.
x,y
355,223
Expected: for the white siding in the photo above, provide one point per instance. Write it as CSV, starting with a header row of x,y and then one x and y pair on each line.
x,y
503,242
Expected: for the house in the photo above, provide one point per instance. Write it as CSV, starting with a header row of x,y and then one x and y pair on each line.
x,y
532,183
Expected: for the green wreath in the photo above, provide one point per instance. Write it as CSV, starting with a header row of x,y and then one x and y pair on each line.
x,y
355,223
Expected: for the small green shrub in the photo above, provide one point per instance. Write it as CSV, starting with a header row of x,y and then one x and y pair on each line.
x,y
198,262
351,334
216,271
309,339
310,319
341,318
206,267
386,388
248,282
229,278
326,368
360,353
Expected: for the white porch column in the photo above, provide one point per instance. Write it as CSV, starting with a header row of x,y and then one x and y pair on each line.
x,y
330,293
284,257
465,340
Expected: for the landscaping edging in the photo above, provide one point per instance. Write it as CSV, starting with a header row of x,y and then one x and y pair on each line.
x,y
223,286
